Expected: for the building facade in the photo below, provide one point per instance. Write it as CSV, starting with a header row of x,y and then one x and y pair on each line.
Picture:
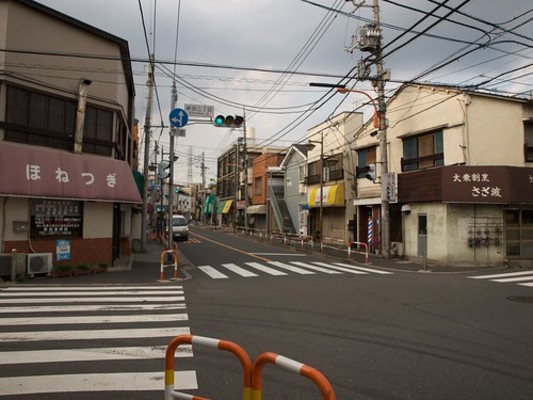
x,y
67,143
462,167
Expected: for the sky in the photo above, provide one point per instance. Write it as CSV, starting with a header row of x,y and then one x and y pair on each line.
x,y
257,58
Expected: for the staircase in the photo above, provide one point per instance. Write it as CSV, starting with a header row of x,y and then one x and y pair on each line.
x,y
280,209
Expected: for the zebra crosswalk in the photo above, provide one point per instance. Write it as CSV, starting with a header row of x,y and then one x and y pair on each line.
x,y
278,268
83,338
521,278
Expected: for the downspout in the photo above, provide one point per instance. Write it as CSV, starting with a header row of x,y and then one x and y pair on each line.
x,y
466,145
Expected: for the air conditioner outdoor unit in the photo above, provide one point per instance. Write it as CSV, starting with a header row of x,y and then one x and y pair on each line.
x,y
39,263
5,263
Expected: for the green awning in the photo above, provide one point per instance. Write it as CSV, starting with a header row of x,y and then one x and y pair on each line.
x,y
221,205
210,204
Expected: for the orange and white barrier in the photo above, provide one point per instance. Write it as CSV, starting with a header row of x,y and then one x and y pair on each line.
x,y
225,345
290,365
365,252
174,263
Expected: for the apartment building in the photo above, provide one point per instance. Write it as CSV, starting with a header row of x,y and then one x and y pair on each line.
x,y
67,143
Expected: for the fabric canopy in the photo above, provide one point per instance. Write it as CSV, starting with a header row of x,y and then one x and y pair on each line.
x,y
332,196
36,171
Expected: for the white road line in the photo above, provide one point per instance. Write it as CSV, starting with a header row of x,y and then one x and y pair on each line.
x,y
315,268
91,334
514,279
371,270
238,270
89,307
291,268
508,274
265,269
529,284
213,273
76,300
89,288
96,319
279,254
85,294
128,381
335,267
92,354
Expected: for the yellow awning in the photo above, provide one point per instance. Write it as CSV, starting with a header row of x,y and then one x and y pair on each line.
x,y
332,196
227,206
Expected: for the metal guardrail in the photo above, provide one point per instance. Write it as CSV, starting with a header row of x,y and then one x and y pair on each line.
x,y
252,380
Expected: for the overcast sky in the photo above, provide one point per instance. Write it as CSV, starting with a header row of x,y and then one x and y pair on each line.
x,y
259,39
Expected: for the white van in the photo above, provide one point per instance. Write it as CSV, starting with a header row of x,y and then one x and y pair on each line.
x,y
180,228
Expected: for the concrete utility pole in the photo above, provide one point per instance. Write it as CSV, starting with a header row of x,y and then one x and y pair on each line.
x,y
379,83
147,123
245,161
173,101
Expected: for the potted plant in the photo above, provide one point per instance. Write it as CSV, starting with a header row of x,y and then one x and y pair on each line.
x,y
99,267
83,269
60,271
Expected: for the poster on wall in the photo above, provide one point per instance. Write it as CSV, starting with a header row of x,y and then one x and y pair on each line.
x,y
63,250
56,219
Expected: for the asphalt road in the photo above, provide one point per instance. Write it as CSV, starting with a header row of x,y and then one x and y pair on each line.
x,y
375,333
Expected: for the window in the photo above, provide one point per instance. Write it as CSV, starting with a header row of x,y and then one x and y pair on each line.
x,y
44,120
258,183
39,119
365,157
423,151
528,141
519,233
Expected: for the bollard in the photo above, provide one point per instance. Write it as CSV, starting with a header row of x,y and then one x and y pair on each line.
x,y
13,265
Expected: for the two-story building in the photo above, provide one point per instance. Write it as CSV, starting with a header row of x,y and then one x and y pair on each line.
x,y
66,141
464,167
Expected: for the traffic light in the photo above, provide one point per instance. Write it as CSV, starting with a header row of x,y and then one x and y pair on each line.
x,y
163,169
370,172
228,121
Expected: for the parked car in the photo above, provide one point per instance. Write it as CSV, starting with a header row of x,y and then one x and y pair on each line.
x,y
180,228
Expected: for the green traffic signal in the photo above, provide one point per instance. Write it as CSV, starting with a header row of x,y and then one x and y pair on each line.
x,y
228,121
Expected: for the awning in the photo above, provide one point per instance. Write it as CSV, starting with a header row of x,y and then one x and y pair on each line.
x,y
36,171
210,202
258,209
227,206
332,196
221,205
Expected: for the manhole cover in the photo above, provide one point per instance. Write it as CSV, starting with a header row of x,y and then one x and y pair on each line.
x,y
521,299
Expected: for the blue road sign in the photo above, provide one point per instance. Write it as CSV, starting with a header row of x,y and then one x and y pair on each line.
x,y
178,118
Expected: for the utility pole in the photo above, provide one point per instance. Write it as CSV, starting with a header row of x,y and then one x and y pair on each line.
x,y
245,160
147,123
379,84
173,101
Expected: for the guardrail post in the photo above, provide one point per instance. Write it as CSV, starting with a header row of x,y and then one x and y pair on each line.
x,y
290,365
174,253
225,345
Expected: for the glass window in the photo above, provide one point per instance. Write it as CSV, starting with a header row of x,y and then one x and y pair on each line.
x,y
365,157
423,151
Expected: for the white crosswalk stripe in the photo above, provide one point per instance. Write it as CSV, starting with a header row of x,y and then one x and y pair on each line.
x,y
521,278
99,316
278,268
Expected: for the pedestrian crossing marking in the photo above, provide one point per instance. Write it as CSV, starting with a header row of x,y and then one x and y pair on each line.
x,y
291,268
340,268
278,268
359,268
92,334
264,268
89,307
238,270
213,273
315,267
521,278
123,308
127,381
90,354
97,319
